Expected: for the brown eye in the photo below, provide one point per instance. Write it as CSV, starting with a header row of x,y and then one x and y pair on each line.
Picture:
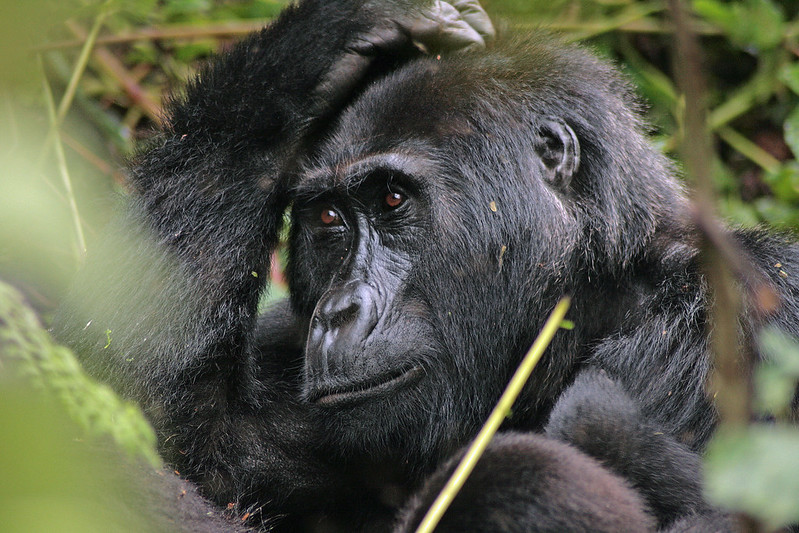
x,y
330,217
394,199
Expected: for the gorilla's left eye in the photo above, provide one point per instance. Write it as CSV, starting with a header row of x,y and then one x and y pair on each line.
x,y
393,200
330,217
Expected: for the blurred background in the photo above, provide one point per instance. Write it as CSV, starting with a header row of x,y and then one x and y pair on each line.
x,y
83,82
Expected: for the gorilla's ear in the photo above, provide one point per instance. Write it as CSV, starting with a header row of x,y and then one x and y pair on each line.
x,y
559,151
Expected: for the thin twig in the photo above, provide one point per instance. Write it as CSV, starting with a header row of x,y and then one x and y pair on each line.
x,y
80,67
722,256
72,85
732,390
498,415
62,161
178,32
114,67
93,159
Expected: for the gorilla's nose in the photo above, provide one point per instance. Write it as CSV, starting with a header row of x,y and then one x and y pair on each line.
x,y
342,322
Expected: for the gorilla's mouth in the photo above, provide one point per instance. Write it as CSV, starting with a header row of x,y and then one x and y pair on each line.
x,y
367,389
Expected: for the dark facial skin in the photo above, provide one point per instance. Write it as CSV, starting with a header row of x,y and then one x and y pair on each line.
x,y
363,231
358,233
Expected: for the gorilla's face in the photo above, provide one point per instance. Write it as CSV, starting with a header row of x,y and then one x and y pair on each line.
x,y
423,254
359,230
375,354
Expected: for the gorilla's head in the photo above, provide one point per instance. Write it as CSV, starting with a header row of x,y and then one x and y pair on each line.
x,y
438,222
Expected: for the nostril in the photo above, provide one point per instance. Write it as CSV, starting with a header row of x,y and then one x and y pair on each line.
x,y
349,304
340,316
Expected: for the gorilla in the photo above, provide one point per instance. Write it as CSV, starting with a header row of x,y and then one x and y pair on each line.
x,y
446,188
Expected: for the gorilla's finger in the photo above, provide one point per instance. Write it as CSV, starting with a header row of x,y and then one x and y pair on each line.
x,y
441,27
473,13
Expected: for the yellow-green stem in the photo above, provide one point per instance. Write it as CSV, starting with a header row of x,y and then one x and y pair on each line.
x,y
80,66
77,74
62,163
753,152
499,413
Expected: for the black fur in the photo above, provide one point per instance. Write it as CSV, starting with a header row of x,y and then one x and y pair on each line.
x,y
555,488
523,174
598,417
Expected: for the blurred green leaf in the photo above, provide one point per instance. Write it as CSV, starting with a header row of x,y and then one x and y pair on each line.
x,y
791,128
758,23
138,9
24,25
789,75
53,368
194,50
776,378
739,212
776,212
143,53
259,8
185,9
785,182
756,470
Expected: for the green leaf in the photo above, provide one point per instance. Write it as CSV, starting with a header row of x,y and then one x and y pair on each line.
x,y
757,23
756,470
775,379
789,75
791,130
784,183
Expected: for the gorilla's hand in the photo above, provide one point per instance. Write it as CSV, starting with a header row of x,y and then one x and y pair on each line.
x,y
400,30
452,25
435,25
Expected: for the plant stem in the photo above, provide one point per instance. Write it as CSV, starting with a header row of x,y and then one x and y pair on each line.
x,y
80,67
502,408
744,146
62,161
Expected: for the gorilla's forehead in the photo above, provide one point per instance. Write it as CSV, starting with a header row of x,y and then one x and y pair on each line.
x,y
422,102
402,123
346,173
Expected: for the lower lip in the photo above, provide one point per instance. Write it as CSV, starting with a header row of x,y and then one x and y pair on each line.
x,y
338,398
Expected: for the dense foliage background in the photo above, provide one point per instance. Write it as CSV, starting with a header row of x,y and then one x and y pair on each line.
x,y
81,82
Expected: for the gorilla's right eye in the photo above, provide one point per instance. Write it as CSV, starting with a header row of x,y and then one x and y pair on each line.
x,y
330,217
393,200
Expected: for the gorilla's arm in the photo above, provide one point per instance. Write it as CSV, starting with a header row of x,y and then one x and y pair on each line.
x,y
597,416
528,483
166,311
602,466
